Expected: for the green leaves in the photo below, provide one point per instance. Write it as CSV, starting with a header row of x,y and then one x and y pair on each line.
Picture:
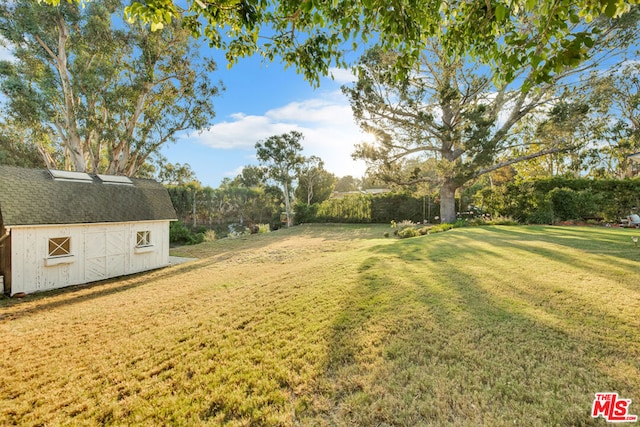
x,y
501,12
313,35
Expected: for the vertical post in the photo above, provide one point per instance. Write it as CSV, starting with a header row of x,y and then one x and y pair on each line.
x,y
194,208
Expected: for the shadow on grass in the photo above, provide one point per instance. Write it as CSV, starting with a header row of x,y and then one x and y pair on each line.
x,y
425,339
209,253
47,300
335,232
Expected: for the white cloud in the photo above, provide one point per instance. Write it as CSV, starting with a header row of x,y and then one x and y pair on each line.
x,y
233,173
340,75
327,111
241,132
326,123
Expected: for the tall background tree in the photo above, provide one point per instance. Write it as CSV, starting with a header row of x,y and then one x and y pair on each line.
x,y
175,174
451,110
348,183
97,94
315,184
281,158
17,150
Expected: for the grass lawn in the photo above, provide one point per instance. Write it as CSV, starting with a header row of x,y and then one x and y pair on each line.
x,y
335,325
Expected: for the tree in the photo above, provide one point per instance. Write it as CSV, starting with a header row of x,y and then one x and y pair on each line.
x,y
248,197
616,98
280,155
15,150
104,95
251,176
176,174
568,123
315,184
451,110
348,183
313,35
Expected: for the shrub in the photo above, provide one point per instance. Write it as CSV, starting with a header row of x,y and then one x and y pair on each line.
x,y
441,227
264,228
543,215
424,231
238,230
460,223
586,203
563,203
305,213
180,234
402,224
408,232
209,235
479,221
502,220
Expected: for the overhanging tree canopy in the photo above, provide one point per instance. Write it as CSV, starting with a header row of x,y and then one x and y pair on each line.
x,y
313,35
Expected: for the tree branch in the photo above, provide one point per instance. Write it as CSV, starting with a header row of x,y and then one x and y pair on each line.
x,y
517,160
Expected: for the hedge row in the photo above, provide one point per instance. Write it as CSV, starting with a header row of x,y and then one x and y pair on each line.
x,y
365,208
541,201
560,198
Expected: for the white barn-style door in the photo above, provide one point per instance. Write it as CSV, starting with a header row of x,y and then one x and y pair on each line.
x,y
105,253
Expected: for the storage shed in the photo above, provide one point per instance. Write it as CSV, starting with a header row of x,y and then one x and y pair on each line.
x,y
61,228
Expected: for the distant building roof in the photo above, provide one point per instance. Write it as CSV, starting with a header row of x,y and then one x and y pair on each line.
x,y
37,196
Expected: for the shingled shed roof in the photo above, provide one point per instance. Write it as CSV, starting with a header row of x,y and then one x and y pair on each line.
x,y
34,197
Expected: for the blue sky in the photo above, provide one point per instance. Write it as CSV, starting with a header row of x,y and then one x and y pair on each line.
x,y
264,99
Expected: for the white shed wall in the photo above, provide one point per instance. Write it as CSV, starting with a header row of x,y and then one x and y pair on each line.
x,y
98,251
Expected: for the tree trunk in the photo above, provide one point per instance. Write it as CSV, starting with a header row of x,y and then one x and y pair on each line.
x,y
448,202
287,204
309,193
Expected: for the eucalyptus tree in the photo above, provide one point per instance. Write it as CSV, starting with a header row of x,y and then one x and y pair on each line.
x,y
16,150
315,184
281,158
104,93
175,174
249,198
348,183
450,109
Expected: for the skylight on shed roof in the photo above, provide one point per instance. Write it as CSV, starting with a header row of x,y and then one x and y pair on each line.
x,y
70,176
115,179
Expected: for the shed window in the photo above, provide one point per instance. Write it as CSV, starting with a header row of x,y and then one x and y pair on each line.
x,y
59,246
143,238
